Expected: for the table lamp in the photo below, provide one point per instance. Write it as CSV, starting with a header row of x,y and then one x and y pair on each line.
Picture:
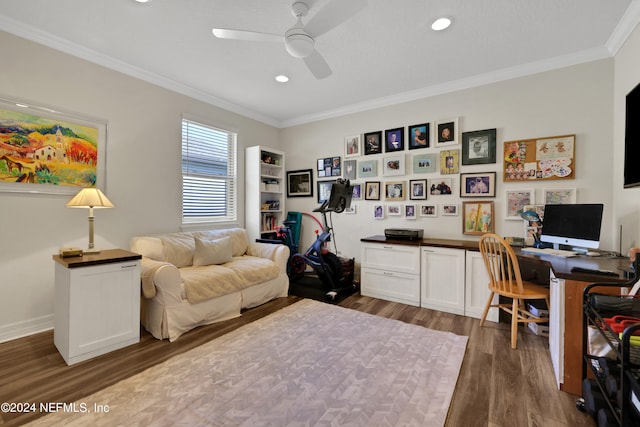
x,y
90,198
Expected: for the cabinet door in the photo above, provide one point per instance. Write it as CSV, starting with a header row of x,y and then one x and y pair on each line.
x,y
397,258
390,286
442,279
477,288
104,307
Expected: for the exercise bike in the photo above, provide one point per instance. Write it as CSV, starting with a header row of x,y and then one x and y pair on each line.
x,y
326,265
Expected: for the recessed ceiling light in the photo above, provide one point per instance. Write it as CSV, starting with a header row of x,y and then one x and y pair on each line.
x,y
22,106
282,78
441,24
143,1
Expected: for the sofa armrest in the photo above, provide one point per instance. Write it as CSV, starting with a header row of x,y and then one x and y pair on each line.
x,y
159,275
276,253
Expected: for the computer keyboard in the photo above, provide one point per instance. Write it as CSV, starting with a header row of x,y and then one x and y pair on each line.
x,y
549,251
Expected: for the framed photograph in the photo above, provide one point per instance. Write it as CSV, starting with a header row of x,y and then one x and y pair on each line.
x,y
48,151
352,146
409,211
324,190
367,169
372,190
533,229
449,161
419,136
350,169
357,192
393,165
516,201
351,209
449,210
429,210
418,189
425,163
329,166
482,184
479,147
555,196
373,143
394,139
378,211
477,217
300,183
540,159
446,132
394,190
440,186
394,209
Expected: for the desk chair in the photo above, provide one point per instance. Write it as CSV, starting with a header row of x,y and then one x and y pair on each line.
x,y
505,279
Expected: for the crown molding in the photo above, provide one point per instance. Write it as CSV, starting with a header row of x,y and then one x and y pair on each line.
x,y
47,39
625,27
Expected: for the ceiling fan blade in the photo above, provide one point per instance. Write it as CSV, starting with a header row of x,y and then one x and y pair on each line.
x,y
333,14
224,33
317,65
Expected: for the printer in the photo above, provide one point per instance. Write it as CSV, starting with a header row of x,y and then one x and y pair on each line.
x,y
403,233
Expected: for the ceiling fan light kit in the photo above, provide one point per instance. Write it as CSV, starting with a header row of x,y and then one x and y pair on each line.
x,y
298,43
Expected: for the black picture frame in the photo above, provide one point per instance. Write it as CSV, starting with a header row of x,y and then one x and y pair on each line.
x,y
480,184
300,183
394,140
324,190
372,190
479,147
329,167
419,136
373,143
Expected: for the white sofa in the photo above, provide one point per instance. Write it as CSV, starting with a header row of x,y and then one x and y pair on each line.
x,y
195,278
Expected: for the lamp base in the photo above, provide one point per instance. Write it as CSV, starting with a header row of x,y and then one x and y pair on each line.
x,y
90,251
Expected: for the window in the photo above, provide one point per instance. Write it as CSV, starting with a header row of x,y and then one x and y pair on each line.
x,y
208,173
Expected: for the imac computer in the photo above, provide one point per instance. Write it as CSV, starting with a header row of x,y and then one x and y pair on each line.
x,y
576,225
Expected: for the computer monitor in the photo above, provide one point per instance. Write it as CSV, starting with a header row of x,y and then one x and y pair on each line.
x,y
575,225
341,193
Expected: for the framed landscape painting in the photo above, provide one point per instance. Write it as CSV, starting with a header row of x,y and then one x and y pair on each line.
x,y
43,150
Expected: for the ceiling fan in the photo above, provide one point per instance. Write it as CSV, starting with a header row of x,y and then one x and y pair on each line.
x,y
299,40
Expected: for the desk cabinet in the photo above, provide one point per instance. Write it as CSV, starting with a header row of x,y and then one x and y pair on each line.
x,y
97,306
390,272
476,290
443,277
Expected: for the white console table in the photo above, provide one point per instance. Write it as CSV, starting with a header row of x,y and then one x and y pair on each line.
x,y
97,303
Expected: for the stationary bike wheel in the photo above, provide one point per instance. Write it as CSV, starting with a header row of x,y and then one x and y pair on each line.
x,y
334,264
297,264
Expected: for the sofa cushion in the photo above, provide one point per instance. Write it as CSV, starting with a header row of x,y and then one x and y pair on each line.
x,y
211,251
148,246
178,248
239,239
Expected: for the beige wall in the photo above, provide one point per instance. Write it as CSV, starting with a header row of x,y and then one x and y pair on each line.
x,y
575,100
142,177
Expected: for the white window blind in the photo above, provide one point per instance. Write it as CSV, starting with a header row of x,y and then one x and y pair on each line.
x,y
208,173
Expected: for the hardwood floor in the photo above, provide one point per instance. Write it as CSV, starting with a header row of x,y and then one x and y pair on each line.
x,y
497,386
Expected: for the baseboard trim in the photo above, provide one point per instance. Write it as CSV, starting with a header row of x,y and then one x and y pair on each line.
x,y
25,328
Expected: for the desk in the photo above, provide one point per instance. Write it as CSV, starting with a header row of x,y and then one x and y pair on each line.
x,y
569,327
539,269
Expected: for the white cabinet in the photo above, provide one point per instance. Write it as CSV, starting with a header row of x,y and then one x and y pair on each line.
x,y
265,187
477,288
443,279
97,304
390,272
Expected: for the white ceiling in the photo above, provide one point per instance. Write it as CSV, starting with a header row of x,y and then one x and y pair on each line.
x,y
383,55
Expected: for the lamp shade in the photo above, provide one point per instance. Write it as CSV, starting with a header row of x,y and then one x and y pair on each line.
x,y
89,198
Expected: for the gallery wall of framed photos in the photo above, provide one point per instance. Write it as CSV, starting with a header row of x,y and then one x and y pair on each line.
x,y
434,169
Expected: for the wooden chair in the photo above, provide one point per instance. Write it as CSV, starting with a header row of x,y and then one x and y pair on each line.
x,y
505,279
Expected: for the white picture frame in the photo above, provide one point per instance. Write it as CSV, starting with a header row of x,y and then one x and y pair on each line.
x,y
409,211
446,132
451,209
394,209
558,196
378,211
516,200
352,146
393,165
429,210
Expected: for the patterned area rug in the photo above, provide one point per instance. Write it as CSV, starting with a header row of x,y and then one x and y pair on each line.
x,y
309,364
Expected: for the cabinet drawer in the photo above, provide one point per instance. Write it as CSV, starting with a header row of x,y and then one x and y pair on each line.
x,y
399,258
390,286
